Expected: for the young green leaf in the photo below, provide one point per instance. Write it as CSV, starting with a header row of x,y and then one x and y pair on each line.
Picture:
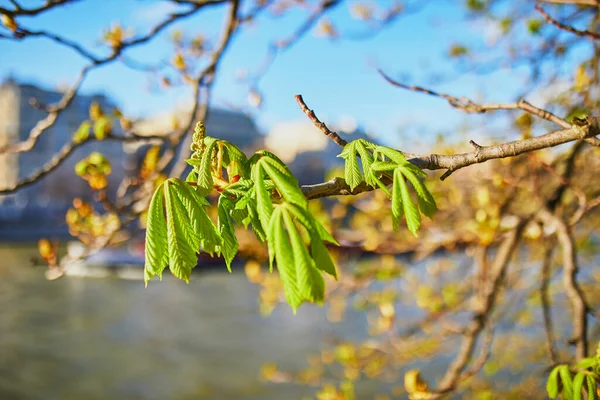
x,y
567,381
322,258
156,237
592,388
204,171
182,256
230,245
578,386
586,363
286,184
352,173
285,259
264,203
552,383
397,210
413,218
424,198
394,155
310,281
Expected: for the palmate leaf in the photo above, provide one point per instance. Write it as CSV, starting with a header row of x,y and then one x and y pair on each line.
x,y
352,172
178,226
156,237
300,277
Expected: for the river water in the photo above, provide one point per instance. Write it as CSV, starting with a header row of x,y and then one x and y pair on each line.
x,y
109,338
87,338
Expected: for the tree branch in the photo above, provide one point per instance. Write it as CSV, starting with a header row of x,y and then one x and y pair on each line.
x,y
564,27
572,288
545,279
486,304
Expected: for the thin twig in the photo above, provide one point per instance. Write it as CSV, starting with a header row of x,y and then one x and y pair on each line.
x,y
572,288
568,28
545,279
320,125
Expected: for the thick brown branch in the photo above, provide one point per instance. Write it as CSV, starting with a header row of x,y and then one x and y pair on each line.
x,y
457,161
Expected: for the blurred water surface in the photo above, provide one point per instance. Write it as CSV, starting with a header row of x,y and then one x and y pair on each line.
x,y
86,338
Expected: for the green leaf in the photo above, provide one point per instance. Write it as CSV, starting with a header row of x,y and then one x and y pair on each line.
x,y
413,218
192,177
567,381
235,160
310,281
322,258
366,159
592,388
425,199
82,133
578,386
230,245
383,166
156,237
586,363
286,184
205,178
397,211
264,203
324,235
285,259
552,383
182,255
394,155
352,173
257,227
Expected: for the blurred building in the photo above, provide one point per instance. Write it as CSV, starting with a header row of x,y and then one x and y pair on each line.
x,y
233,126
45,202
307,151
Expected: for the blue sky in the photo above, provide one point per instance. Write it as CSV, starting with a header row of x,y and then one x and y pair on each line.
x,y
336,78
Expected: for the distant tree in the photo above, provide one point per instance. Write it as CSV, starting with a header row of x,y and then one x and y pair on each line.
x,y
527,223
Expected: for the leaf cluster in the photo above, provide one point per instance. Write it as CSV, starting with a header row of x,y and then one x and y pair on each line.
x,y
382,164
576,383
258,193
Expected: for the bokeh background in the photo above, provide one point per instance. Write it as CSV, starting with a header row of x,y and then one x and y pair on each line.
x,y
401,302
